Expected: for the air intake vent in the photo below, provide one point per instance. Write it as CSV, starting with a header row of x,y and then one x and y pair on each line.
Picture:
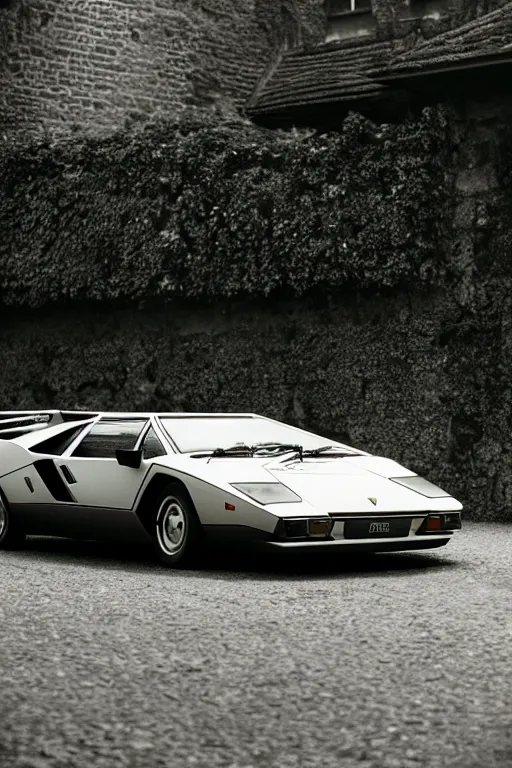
x,y
49,474
14,425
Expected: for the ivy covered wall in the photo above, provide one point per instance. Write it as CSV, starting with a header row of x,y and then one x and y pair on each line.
x,y
183,211
356,283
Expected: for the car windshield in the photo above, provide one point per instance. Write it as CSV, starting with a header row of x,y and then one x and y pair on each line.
x,y
209,433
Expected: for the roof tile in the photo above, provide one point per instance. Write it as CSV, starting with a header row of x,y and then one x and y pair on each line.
x,y
332,72
487,35
340,72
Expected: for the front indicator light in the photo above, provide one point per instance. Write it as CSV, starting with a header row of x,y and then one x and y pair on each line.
x,y
440,523
320,528
295,529
453,522
307,529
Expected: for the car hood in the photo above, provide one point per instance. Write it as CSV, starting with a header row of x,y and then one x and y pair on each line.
x,y
329,484
340,492
359,484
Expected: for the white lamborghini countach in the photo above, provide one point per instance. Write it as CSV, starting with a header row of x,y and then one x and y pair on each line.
x,y
181,480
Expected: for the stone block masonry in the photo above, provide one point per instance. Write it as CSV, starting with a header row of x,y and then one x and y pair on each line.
x,y
95,65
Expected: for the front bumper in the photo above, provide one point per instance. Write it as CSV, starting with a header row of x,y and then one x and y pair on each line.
x,y
352,532
361,545
413,535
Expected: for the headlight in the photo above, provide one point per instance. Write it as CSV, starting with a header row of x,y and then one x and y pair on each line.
x,y
420,485
267,493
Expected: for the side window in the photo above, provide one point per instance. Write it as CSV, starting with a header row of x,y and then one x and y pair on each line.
x,y
107,436
152,447
57,444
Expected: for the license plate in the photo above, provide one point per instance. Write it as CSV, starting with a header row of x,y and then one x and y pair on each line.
x,y
377,529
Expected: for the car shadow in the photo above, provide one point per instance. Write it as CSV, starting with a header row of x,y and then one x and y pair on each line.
x,y
290,565
229,563
89,553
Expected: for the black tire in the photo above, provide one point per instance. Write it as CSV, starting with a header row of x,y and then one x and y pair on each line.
x,y
177,534
11,535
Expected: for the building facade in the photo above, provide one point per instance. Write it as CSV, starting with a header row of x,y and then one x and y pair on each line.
x,y
96,65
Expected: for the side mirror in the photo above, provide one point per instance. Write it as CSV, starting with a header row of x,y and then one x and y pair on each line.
x,y
129,458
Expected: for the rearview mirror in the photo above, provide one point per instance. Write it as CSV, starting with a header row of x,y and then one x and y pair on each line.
x,y
129,458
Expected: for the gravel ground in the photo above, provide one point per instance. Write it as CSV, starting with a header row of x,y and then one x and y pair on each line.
x,y
393,661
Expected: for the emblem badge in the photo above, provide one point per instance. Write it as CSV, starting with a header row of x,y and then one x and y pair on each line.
x,y
373,500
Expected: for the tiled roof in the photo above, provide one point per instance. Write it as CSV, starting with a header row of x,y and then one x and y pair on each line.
x,y
486,36
350,71
329,73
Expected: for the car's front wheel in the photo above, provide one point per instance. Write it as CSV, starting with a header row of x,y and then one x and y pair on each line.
x,y
11,535
177,532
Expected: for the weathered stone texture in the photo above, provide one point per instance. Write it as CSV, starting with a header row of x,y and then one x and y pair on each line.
x,y
404,376
95,64
424,378
480,251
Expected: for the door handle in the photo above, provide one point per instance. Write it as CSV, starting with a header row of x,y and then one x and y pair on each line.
x,y
68,474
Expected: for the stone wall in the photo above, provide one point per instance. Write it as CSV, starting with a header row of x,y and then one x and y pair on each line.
x,y
424,376
402,375
409,21
95,64
479,342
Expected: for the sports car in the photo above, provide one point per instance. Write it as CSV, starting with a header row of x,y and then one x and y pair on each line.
x,y
180,481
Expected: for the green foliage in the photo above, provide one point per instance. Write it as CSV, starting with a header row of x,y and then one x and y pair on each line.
x,y
179,209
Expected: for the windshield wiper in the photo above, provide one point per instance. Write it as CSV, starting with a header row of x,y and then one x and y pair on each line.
x,y
337,453
318,451
233,450
241,449
278,448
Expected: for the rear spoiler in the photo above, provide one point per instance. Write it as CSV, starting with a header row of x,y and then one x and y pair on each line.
x,y
16,423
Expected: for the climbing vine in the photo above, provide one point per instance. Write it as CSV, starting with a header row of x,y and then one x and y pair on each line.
x,y
184,210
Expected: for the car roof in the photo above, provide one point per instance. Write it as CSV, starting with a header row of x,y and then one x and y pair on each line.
x,y
23,426
176,415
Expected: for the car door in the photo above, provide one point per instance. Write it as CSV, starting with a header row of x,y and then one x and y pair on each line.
x,y
104,492
91,470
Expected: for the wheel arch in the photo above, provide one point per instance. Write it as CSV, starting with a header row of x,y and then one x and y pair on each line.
x,y
3,497
147,502
13,534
